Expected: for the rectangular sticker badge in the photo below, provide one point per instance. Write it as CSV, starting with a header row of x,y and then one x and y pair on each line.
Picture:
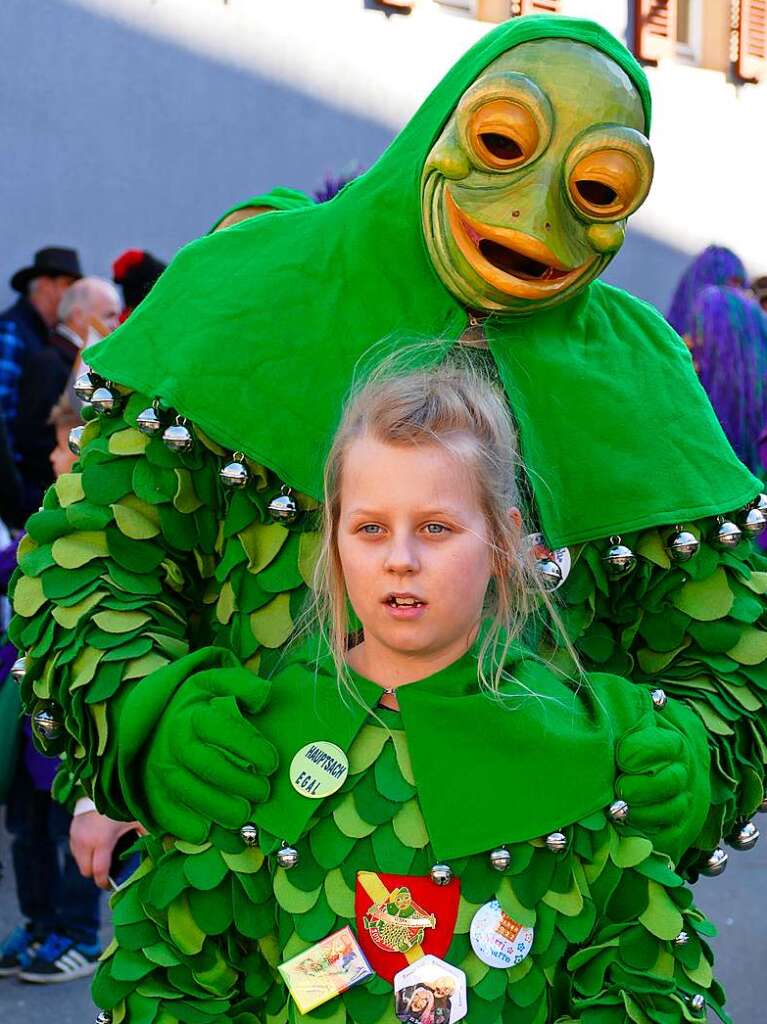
x,y
325,970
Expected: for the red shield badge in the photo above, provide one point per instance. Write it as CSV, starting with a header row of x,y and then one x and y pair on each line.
x,y
401,918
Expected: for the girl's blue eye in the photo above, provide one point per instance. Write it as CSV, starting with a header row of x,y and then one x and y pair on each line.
x,y
371,529
435,528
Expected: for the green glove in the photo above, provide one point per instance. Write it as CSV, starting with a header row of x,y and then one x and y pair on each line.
x,y
664,778
206,762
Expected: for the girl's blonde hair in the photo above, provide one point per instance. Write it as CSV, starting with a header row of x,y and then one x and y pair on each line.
x,y
456,406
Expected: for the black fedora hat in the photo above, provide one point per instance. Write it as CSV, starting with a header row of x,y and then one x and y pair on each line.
x,y
54,261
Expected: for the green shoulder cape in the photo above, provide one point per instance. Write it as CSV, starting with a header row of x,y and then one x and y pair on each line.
x,y
255,333
488,769
277,199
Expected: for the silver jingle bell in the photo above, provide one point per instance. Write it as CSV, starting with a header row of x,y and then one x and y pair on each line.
x,y
659,699
745,836
619,811
283,508
441,874
698,1002
500,858
178,438
549,573
235,474
104,1017
727,533
148,421
74,440
19,669
618,560
556,842
682,545
85,385
715,863
287,856
682,939
249,834
760,502
45,722
753,522
106,401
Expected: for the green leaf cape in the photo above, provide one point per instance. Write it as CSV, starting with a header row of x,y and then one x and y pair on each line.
x,y
254,333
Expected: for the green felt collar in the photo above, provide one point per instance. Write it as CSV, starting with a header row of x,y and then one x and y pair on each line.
x,y
488,770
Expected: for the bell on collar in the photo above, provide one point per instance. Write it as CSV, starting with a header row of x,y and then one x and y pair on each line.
x,y
760,502
549,573
75,438
104,1017
698,1002
556,842
682,939
715,863
441,874
500,858
283,508
727,533
46,722
682,545
287,856
106,400
178,437
249,834
235,473
753,522
619,811
148,421
659,699
19,669
745,836
85,385
618,560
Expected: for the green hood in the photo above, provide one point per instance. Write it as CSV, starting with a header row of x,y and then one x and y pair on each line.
x,y
254,333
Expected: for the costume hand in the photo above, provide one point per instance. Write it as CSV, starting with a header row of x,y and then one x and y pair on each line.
x,y
92,840
655,780
207,762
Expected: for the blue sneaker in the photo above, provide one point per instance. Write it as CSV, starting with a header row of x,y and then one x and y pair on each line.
x,y
18,950
61,958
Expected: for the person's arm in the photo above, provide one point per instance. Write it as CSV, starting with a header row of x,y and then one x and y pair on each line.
x,y
109,588
92,840
11,365
693,630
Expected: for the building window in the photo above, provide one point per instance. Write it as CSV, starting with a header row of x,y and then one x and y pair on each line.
x,y
749,39
655,29
689,30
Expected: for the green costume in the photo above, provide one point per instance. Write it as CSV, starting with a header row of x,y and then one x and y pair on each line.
x,y
202,927
143,554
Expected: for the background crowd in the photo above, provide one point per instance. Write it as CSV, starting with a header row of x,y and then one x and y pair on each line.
x,y
60,855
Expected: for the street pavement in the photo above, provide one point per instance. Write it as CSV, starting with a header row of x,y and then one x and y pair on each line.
x,y
736,902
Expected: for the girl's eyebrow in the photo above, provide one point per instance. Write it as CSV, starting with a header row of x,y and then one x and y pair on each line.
x,y
453,513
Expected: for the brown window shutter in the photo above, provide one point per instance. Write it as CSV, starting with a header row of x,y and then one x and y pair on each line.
x,y
752,40
654,29
519,7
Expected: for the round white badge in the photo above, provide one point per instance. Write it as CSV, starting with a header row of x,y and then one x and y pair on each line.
x,y
318,769
497,939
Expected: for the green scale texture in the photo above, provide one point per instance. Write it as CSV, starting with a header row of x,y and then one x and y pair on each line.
x,y
200,930
140,554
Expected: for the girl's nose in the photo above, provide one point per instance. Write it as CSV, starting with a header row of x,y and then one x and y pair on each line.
x,y
401,558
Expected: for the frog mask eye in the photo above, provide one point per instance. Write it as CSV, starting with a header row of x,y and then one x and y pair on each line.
x,y
608,174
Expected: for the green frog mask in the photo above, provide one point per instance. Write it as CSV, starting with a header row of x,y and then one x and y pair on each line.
x,y
526,193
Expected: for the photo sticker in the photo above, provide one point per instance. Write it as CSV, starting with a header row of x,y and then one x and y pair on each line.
x,y
430,991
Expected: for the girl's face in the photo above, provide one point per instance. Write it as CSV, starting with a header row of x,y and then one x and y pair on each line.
x,y
414,548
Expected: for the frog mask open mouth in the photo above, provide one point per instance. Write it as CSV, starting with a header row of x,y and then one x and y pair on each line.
x,y
511,261
526,193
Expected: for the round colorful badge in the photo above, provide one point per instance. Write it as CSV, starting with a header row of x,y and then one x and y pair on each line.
x,y
318,769
497,939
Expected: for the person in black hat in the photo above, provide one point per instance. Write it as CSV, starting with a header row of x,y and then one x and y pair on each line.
x,y
25,326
